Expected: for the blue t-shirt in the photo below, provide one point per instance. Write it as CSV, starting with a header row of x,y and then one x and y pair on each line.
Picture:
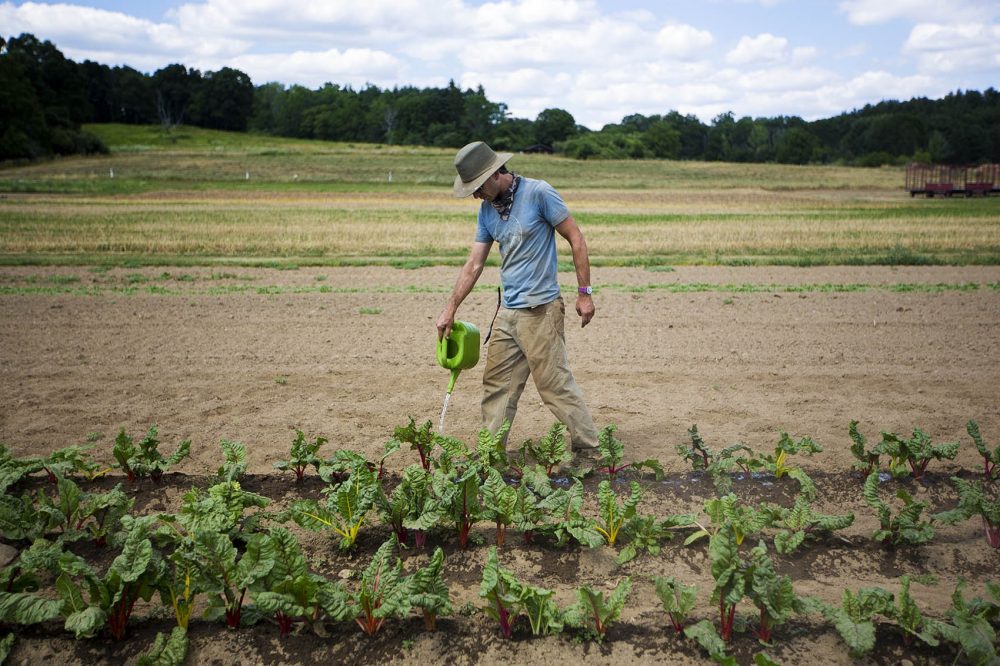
x,y
527,243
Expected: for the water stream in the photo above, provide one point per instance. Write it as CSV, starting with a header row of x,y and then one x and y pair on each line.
x,y
444,410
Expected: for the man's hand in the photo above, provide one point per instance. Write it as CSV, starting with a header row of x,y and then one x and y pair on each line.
x,y
585,308
444,323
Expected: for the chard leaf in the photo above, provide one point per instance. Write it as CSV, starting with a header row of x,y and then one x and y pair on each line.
x,y
87,622
166,651
704,634
5,647
27,608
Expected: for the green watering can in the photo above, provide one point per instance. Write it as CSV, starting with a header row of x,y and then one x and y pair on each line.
x,y
459,351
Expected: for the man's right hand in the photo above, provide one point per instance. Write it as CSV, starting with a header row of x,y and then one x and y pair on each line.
x,y
444,323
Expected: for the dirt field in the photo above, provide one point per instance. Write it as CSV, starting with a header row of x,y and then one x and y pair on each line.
x,y
351,366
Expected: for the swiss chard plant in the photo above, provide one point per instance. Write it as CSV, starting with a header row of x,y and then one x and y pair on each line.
x,y
499,502
92,601
491,449
772,594
429,592
729,572
777,463
345,508
719,466
293,594
991,459
145,460
502,592
975,499
226,574
234,465
971,625
866,460
73,460
917,451
592,614
854,619
907,615
678,600
704,634
612,453
383,591
304,454
166,650
613,511
551,450
727,513
420,438
646,533
14,469
799,522
906,526
563,518
456,498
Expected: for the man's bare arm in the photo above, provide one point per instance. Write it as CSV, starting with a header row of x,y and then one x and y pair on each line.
x,y
467,278
570,230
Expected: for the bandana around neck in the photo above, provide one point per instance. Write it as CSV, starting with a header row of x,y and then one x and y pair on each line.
x,y
505,201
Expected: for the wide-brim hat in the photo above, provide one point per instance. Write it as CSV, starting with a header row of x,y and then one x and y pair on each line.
x,y
475,163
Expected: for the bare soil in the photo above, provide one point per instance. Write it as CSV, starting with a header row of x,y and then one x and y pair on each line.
x,y
352,365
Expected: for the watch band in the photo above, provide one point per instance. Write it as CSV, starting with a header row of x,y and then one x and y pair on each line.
x,y
585,290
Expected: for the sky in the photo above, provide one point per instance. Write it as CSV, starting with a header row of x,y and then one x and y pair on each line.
x,y
598,59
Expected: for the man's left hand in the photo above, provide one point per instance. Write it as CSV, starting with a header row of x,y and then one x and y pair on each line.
x,y
585,308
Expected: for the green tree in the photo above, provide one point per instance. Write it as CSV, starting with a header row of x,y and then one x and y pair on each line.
x,y
554,125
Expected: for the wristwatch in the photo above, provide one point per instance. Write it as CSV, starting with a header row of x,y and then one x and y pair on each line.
x,y
586,290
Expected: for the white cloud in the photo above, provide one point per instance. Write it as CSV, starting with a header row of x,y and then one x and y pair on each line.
x,y
763,47
948,48
355,67
870,12
683,41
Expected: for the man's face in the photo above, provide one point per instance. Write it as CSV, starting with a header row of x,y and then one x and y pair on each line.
x,y
489,190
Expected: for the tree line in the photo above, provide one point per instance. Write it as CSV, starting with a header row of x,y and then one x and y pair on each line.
x,y
45,98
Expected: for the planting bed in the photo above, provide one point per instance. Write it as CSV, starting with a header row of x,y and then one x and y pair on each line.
x,y
802,351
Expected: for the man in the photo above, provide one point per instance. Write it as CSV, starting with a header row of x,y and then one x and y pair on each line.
x,y
522,214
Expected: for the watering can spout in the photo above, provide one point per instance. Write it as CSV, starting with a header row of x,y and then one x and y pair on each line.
x,y
459,351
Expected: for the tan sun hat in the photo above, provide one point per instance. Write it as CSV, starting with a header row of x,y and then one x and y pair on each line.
x,y
475,163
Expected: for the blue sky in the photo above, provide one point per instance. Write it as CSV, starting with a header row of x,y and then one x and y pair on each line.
x,y
600,60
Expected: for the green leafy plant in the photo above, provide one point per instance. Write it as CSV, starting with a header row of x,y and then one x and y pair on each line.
x,y
6,645
799,522
776,463
592,614
551,450
909,618
421,439
612,453
867,459
728,512
970,627
383,591
678,600
772,594
728,570
73,460
303,454
613,513
646,533
456,498
991,459
292,593
144,460
226,573
491,449
904,527
234,464
719,466
345,509
563,518
499,502
501,590
14,469
854,619
429,592
135,574
975,499
166,650
917,451
704,634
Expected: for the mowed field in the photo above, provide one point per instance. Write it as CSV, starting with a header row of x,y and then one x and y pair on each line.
x,y
226,286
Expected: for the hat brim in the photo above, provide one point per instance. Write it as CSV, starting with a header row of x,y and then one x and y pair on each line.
x,y
463,189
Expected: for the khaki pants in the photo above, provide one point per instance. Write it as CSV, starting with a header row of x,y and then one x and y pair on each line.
x,y
532,341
